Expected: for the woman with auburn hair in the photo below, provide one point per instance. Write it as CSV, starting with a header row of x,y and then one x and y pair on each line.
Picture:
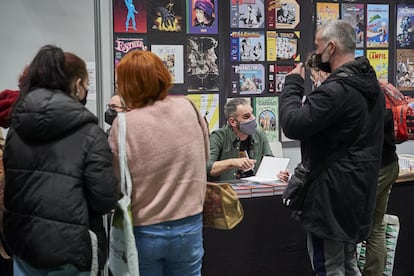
x,y
167,150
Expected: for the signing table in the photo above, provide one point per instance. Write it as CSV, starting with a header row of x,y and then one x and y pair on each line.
x,y
267,242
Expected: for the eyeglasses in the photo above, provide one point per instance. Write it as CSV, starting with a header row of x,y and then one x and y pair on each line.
x,y
114,106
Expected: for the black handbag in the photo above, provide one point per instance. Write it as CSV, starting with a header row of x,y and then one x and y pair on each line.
x,y
298,185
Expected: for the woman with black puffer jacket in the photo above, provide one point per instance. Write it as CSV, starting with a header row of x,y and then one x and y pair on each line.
x,y
58,172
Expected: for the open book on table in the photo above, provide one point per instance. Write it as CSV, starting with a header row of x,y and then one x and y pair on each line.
x,y
269,169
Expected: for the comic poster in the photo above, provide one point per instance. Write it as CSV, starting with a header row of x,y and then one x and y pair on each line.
x,y
379,61
326,12
124,44
247,14
129,16
354,15
377,26
282,14
247,46
287,46
173,58
209,107
202,63
271,78
266,110
405,69
167,15
203,17
271,45
281,72
405,26
248,79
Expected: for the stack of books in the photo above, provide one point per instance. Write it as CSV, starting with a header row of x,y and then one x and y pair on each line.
x,y
247,189
265,182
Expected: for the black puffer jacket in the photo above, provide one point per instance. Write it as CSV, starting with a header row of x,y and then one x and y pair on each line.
x,y
346,111
59,181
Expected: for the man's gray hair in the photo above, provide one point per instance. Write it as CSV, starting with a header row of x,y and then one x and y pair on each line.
x,y
231,106
341,32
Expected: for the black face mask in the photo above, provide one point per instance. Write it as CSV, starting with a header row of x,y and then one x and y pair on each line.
x,y
83,101
317,61
110,116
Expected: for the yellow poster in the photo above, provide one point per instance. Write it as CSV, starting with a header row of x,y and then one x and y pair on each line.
x,y
379,61
208,104
326,12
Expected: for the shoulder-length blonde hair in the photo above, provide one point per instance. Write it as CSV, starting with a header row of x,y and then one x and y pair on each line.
x,y
142,79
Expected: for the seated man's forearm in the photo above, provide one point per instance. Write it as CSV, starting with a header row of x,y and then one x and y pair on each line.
x,y
220,167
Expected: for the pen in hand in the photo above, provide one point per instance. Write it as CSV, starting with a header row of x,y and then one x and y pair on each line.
x,y
246,154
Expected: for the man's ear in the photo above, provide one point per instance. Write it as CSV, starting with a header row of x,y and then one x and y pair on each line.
x,y
78,84
232,122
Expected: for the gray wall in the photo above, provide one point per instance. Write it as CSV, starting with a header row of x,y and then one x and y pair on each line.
x,y
26,25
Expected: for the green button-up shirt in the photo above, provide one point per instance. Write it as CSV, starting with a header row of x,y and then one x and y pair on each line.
x,y
224,144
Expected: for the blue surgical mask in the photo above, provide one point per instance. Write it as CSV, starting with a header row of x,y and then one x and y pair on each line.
x,y
248,127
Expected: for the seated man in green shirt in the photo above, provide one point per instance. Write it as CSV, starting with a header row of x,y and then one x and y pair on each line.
x,y
237,149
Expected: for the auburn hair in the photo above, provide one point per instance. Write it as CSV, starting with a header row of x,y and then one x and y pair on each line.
x,y
142,79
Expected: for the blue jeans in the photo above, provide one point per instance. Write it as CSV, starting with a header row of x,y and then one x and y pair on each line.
x,y
22,268
170,248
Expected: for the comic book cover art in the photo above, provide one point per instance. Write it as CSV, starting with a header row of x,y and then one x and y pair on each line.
x,y
202,64
377,25
202,16
287,15
124,44
281,72
247,46
129,16
173,58
405,26
248,79
326,12
271,45
405,69
247,14
379,61
209,107
167,15
354,15
266,110
287,46
282,14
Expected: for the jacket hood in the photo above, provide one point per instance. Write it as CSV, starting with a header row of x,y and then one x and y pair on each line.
x,y
48,114
355,74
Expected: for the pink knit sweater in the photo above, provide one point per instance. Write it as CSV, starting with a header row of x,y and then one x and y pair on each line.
x,y
167,151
